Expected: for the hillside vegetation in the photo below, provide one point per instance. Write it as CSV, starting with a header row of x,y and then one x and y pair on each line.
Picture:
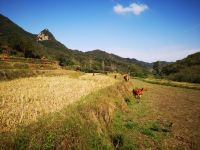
x,y
187,70
21,43
24,44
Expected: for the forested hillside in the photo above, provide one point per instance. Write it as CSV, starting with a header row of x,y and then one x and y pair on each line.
x,y
187,69
21,43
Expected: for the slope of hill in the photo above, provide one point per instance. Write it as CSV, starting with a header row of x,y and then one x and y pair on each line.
x,y
113,57
24,44
117,63
187,69
15,38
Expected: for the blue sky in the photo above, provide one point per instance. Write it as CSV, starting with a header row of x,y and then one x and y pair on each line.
x,y
147,30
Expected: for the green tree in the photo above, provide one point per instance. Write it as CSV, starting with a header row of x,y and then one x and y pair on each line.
x,y
64,61
157,67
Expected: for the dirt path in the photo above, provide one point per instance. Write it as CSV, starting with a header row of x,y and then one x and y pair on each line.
x,y
25,100
180,106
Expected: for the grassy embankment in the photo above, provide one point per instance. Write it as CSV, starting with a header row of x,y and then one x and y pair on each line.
x,y
110,118
171,83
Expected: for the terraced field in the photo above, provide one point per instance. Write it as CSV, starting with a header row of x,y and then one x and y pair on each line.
x,y
101,115
24,100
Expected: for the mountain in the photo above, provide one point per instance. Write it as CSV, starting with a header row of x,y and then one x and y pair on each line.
x,y
21,43
45,35
118,58
14,37
24,44
187,69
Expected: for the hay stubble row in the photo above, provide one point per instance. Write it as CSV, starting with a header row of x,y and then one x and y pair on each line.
x,y
25,100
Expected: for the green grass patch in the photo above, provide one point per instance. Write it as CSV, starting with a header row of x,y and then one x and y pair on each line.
x,y
117,122
147,131
131,124
172,83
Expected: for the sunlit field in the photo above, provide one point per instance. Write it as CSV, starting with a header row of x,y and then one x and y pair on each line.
x,y
123,76
25,100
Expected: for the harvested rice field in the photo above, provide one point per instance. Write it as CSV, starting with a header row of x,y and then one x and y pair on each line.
x,y
27,99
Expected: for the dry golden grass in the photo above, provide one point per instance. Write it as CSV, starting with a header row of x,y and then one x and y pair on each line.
x,y
25,100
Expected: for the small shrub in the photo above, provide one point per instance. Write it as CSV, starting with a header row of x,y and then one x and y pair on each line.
x,y
21,140
2,75
148,132
131,125
127,100
166,127
147,144
118,141
155,126
49,142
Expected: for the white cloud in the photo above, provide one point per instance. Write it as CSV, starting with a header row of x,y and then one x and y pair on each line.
x,y
134,8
